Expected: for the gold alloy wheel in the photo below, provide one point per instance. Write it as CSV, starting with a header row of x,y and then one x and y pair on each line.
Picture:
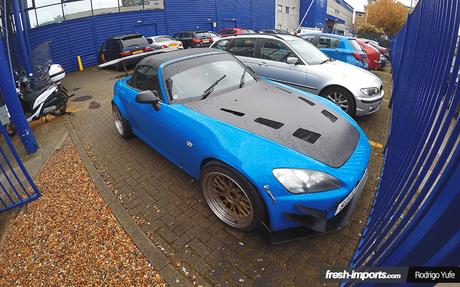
x,y
228,200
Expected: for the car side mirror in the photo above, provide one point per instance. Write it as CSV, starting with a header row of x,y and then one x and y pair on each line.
x,y
149,97
292,60
150,41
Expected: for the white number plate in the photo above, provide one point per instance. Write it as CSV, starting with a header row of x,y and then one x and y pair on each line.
x,y
357,189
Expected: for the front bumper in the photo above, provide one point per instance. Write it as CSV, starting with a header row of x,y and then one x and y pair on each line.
x,y
367,106
314,221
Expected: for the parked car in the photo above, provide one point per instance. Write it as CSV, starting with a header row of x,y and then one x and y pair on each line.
x,y
235,31
196,39
164,42
260,151
337,47
214,36
372,55
296,62
383,50
123,46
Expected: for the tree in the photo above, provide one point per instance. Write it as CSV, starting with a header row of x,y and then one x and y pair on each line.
x,y
369,31
388,15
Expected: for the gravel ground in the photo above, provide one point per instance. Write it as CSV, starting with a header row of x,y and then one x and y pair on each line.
x,y
69,236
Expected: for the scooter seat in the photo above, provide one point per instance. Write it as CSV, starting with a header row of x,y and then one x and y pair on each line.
x,y
30,97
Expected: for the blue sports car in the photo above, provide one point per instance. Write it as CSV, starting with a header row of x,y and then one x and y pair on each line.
x,y
262,152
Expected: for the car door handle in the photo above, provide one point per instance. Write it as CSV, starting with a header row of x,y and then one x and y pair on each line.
x,y
262,64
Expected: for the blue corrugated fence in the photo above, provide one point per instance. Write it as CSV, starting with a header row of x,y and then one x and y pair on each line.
x,y
414,217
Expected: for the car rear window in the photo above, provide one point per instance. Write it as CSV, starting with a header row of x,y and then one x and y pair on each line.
x,y
355,45
137,40
229,31
328,42
203,34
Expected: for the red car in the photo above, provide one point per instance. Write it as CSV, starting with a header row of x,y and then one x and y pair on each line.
x,y
235,31
372,54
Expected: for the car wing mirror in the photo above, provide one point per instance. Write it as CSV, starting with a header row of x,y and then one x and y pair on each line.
x,y
292,60
149,97
150,41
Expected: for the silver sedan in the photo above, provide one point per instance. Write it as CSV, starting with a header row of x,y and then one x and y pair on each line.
x,y
295,62
164,42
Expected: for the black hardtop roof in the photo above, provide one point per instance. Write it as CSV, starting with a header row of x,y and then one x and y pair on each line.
x,y
158,59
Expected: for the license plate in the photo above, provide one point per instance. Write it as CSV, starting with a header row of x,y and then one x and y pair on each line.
x,y
138,52
352,194
173,45
205,41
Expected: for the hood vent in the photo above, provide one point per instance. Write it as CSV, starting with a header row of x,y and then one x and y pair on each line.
x,y
236,113
306,101
269,123
306,135
329,116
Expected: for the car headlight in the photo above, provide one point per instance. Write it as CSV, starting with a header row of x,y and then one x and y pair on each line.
x,y
305,181
370,91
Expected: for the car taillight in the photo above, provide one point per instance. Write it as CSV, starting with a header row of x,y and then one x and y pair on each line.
x,y
124,54
196,40
164,46
357,56
148,49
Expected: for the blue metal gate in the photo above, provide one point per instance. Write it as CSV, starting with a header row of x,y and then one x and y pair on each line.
x,y
16,185
414,220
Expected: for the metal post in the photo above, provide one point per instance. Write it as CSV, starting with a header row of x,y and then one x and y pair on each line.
x,y
20,35
305,15
25,25
11,99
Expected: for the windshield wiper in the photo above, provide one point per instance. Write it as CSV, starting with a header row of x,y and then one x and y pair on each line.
x,y
242,77
325,61
209,90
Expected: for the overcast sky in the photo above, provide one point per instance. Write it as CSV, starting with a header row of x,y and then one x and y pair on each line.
x,y
359,4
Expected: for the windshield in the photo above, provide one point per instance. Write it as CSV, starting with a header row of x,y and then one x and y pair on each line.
x,y
308,52
188,80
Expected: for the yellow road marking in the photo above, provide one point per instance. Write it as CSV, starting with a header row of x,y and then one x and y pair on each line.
x,y
374,144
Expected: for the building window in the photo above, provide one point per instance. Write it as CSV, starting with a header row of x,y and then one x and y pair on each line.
x,y
280,8
43,12
287,9
104,6
73,10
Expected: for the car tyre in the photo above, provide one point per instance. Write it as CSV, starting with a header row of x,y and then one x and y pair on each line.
x,y
341,97
231,197
121,124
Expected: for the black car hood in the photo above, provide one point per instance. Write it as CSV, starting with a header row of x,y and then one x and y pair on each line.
x,y
285,117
